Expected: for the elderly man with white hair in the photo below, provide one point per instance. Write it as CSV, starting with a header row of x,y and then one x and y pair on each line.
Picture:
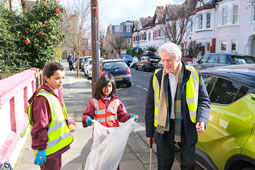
x,y
177,108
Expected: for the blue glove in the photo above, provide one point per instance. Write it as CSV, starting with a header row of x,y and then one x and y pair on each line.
x,y
89,121
136,117
40,157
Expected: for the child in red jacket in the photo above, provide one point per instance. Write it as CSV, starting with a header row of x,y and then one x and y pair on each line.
x,y
105,107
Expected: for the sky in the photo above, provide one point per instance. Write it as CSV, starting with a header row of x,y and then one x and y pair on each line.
x,y
116,11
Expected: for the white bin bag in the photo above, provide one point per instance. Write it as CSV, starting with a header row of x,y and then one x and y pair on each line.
x,y
108,146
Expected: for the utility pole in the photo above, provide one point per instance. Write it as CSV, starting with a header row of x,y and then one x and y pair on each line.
x,y
94,43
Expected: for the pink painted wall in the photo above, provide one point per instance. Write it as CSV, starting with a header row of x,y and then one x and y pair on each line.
x,y
14,93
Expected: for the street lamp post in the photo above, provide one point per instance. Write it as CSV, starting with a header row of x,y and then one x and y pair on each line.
x,y
95,43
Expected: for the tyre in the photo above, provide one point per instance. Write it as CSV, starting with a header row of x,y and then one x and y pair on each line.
x,y
248,168
129,84
144,68
136,67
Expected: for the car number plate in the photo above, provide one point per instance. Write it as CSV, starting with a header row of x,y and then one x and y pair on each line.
x,y
119,78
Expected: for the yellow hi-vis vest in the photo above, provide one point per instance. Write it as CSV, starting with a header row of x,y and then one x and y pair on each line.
x,y
59,135
191,94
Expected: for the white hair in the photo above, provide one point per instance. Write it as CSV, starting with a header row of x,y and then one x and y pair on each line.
x,y
171,49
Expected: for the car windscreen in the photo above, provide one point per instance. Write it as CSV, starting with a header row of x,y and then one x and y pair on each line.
x,y
243,59
113,65
154,59
145,59
204,58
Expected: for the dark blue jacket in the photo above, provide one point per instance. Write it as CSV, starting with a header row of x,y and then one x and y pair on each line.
x,y
189,128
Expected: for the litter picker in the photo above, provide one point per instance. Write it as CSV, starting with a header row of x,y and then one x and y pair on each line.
x,y
150,151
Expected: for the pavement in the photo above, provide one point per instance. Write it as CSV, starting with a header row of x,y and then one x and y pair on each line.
x,y
77,93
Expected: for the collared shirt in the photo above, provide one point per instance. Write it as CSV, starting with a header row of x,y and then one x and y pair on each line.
x,y
172,85
55,91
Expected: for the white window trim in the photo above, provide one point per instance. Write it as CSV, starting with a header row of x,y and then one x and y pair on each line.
x,y
221,16
206,20
253,14
128,28
221,41
233,41
238,14
198,22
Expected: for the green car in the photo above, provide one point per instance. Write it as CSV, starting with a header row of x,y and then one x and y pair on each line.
x,y
228,142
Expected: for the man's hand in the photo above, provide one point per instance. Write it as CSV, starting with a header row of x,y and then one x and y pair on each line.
x,y
149,140
40,157
200,126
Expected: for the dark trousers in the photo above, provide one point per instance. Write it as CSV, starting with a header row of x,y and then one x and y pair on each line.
x,y
52,164
70,65
166,151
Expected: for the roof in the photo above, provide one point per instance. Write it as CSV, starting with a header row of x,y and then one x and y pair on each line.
x,y
159,14
245,73
135,25
146,22
112,60
232,54
173,12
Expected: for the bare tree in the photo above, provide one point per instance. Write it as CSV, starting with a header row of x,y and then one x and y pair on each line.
x,y
101,39
118,43
76,24
176,22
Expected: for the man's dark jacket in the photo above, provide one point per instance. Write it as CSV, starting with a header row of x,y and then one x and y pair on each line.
x,y
189,128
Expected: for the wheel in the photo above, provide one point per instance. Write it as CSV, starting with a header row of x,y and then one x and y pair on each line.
x,y
144,68
248,168
136,67
129,84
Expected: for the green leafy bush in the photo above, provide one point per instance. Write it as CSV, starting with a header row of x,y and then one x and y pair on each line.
x,y
41,32
30,39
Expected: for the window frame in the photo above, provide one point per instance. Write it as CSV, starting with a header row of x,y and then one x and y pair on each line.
x,y
221,42
217,77
235,16
224,15
200,22
234,96
128,28
253,13
208,20
233,42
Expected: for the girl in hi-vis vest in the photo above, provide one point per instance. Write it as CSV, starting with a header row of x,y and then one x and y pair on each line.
x,y
105,107
50,128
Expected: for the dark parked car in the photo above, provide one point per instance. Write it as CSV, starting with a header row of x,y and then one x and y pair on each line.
x,y
127,58
221,59
81,60
147,63
119,69
229,139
